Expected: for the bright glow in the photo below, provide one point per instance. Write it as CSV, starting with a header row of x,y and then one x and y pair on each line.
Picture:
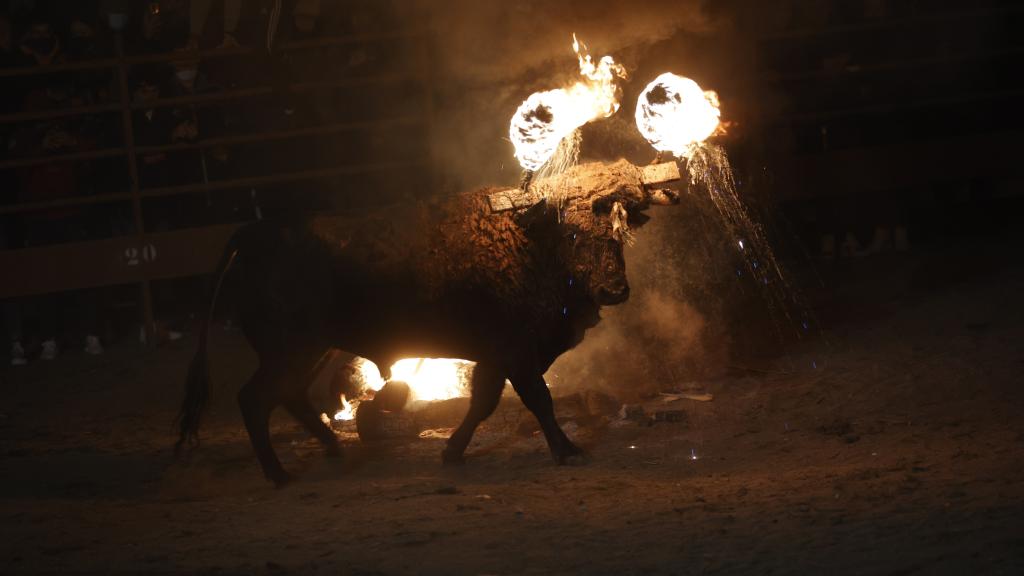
x,y
347,411
433,378
428,378
673,114
545,118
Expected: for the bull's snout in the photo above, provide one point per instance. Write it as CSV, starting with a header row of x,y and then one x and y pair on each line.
x,y
609,295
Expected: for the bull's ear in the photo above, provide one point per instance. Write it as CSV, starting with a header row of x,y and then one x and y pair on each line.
x,y
533,216
637,219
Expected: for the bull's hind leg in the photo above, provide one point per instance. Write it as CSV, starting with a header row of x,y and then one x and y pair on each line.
x,y
535,395
298,405
283,381
487,384
257,399
300,408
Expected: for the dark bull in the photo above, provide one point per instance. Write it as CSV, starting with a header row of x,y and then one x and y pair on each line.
x,y
500,277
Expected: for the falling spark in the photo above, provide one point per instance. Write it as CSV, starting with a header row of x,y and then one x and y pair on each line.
x,y
565,156
676,116
693,454
708,168
545,119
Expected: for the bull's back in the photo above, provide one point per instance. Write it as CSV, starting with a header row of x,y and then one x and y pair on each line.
x,y
372,285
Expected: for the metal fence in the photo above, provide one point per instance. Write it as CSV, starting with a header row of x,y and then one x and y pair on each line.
x,y
145,255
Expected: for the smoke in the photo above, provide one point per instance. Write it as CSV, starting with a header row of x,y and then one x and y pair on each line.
x,y
493,42
688,312
677,325
489,56
694,313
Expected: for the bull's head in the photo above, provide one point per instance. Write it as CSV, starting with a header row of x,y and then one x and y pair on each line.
x,y
598,236
593,208
589,245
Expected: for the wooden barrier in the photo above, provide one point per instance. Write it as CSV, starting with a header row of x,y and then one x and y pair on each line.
x,y
112,261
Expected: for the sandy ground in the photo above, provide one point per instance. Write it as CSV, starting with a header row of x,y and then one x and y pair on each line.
x,y
893,446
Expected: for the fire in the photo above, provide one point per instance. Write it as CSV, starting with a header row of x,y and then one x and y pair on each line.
x,y
347,412
545,118
674,114
429,379
433,378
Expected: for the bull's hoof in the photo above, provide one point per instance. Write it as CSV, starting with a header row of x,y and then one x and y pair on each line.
x,y
570,455
281,480
576,459
452,458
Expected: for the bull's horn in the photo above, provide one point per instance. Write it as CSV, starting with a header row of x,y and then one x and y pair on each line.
x,y
661,197
654,177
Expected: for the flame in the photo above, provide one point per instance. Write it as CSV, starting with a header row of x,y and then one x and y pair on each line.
x,y
433,378
429,379
347,412
545,118
674,114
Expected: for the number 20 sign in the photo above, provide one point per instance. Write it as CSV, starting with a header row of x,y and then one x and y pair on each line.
x,y
133,255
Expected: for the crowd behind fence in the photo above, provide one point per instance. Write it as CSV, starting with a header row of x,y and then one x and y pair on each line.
x,y
138,135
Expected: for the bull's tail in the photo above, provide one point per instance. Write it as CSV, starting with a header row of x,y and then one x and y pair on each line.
x,y
197,383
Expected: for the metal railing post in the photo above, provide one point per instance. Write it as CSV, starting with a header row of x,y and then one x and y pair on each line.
x,y
148,325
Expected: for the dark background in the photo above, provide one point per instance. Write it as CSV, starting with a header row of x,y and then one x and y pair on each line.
x,y
867,421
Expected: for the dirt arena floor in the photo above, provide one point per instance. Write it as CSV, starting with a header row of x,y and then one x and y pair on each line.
x,y
894,446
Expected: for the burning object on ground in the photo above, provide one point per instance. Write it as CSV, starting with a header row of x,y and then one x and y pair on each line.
x,y
510,279
372,421
426,379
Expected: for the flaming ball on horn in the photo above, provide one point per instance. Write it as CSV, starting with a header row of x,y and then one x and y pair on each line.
x,y
544,119
675,115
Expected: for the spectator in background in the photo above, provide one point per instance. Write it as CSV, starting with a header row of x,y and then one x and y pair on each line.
x,y
7,59
165,25
41,44
200,12
187,165
82,40
9,104
11,95
305,15
152,128
40,183
91,86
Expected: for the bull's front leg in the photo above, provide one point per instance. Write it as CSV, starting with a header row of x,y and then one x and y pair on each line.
x,y
486,385
534,393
